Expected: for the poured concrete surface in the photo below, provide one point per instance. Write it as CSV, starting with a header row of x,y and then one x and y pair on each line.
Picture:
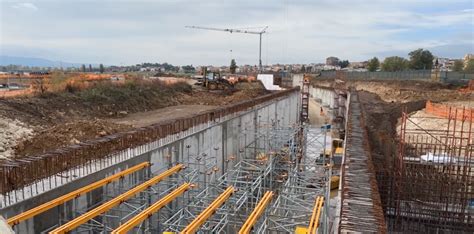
x,y
143,119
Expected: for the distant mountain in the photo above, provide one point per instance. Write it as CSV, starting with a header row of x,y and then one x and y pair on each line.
x,y
34,62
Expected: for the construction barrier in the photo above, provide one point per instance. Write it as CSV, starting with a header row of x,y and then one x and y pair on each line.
x,y
446,111
425,75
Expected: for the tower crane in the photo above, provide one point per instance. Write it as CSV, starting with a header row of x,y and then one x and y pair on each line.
x,y
264,30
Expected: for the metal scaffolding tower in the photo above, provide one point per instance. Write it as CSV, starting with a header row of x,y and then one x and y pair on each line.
x,y
275,184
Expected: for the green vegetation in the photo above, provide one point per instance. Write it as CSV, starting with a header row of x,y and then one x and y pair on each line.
x,y
344,63
57,78
101,68
188,69
233,66
303,69
469,66
108,92
421,59
373,64
394,63
458,65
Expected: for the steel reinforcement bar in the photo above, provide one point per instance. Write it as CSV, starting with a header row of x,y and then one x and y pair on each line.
x,y
62,199
19,172
361,208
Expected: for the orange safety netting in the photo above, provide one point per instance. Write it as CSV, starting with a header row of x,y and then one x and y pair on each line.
x,y
446,111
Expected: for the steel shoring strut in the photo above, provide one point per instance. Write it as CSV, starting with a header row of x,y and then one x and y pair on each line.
x,y
114,202
130,224
60,200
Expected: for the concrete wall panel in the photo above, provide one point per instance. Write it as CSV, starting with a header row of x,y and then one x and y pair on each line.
x,y
216,143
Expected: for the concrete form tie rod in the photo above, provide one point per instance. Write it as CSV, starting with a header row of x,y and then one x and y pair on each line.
x,y
142,216
74,194
256,213
314,222
208,212
114,202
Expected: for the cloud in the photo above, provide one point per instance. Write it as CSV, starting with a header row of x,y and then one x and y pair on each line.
x,y
25,5
300,31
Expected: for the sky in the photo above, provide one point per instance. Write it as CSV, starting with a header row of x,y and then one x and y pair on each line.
x,y
124,32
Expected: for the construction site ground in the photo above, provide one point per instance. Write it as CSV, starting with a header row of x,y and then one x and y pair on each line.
x,y
34,125
384,101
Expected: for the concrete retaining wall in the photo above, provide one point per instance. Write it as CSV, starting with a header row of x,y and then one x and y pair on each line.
x,y
220,139
326,96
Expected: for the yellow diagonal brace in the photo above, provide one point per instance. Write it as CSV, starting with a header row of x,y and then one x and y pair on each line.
x,y
114,202
256,213
203,216
314,222
124,228
60,200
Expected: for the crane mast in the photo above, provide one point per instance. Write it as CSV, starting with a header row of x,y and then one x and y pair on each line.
x,y
260,33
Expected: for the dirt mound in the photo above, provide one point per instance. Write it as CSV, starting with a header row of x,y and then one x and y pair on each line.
x,y
66,134
409,91
403,91
101,100
62,118
245,91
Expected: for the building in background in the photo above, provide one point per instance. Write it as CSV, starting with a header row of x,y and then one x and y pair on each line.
x,y
467,57
332,61
444,64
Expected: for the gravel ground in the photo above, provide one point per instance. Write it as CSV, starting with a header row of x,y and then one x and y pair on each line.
x,y
12,132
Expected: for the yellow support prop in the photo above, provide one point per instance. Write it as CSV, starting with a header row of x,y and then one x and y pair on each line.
x,y
130,224
314,222
259,209
114,202
60,200
203,216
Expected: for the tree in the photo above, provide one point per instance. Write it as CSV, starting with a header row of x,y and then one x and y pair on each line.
x,y
233,66
303,69
344,63
373,64
421,59
469,66
458,65
394,63
101,68
188,69
90,68
83,68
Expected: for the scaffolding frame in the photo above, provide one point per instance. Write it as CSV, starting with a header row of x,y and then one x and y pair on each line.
x,y
273,161
272,157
